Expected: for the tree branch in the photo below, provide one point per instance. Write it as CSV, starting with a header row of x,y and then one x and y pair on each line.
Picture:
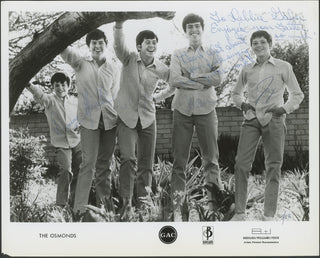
x,y
68,28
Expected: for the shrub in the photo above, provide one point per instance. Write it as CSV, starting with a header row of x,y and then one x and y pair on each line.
x,y
36,203
258,165
27,159
22,210
300,159
228,146
298,56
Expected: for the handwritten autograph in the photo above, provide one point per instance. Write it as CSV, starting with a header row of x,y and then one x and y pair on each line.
x,y
267,89
285,216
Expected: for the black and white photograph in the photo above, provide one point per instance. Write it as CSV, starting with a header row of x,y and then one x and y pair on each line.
x,y
159,128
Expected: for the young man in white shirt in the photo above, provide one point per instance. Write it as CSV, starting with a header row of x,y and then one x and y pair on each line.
x,y
264,117
194,74
61,113
97,86
136,109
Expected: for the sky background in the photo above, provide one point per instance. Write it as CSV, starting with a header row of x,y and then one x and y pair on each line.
x,y
227,25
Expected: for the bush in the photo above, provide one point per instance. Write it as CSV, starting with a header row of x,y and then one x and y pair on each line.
x,y
298,56
36,203
22,210
228,146
27,159
300,159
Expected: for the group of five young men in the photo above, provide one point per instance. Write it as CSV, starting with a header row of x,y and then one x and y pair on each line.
x,y
107,111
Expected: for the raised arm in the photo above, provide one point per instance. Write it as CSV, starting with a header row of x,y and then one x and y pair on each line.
x,y
39,95
116,83
119,46
179,76
72,57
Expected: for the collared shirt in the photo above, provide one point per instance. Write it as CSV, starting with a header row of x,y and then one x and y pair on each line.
x,y
137,85
266,84
97,88
61,116
191,98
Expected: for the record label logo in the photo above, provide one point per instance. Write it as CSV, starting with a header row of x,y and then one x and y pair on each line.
x,y
168,234
207,235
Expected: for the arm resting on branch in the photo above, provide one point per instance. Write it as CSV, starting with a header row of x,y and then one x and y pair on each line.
x,y
68,28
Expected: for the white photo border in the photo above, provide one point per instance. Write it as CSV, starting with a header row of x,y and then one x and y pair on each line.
x,y
141,239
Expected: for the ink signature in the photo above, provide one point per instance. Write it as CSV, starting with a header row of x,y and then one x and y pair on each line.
x,y
285,216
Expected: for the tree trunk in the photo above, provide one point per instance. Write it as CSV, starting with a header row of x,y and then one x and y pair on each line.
x,y
68,28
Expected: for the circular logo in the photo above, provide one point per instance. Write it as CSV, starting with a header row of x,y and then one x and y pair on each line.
x,y
168,234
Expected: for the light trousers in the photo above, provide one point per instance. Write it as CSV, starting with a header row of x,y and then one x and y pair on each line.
x,y
206,127
68,162
97,151
273,138
136,167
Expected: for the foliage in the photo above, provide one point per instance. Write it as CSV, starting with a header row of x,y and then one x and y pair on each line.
x,y
258,165
298,188
27,159
36,203
165,58
228,146
24,26
300,159
298,56
27,105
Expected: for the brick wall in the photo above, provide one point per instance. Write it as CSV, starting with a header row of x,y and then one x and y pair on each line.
x,y
230,119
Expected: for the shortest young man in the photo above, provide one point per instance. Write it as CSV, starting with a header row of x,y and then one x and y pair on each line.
x,y
61,112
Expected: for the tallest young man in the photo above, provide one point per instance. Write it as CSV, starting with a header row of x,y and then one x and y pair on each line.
x,y
194,74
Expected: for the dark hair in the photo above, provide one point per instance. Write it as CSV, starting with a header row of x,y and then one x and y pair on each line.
x,y
192,18
145,34
60,77
259,34
95,35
